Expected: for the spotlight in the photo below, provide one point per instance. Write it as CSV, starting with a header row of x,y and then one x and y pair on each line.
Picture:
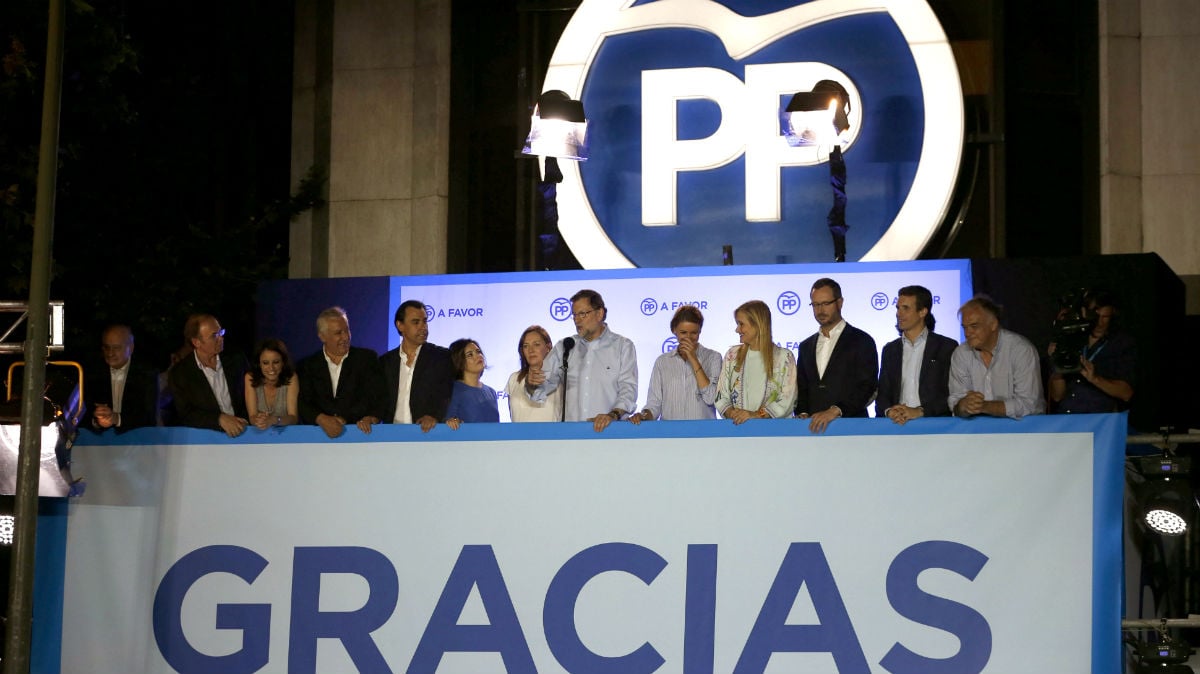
x,y
817,117
557,130
1167,500
820,117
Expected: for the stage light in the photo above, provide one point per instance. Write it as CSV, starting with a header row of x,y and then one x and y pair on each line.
x,y
557,130
820,117
817,117
1166,496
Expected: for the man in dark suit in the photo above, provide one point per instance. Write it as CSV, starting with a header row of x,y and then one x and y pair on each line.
x,y
123,394
208,390
915,378
836,373
418,375
340,384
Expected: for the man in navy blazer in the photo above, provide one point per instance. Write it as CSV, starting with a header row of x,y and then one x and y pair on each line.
x,y
835,376
340,384
418,375
208,389
915,378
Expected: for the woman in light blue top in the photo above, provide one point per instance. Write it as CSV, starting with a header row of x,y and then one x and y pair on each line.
x,y
471,400
758,378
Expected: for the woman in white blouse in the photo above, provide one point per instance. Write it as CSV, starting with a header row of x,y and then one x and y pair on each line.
x,y
532,348
758,378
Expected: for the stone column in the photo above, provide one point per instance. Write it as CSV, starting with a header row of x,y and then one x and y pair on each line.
x,y
371,105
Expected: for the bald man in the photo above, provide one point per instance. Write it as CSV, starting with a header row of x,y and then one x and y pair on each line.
x,y
123,392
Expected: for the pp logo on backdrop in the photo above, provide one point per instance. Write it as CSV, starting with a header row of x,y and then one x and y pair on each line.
x,y
880,301
670,344
560,309
788,303
430,313
683,100
649,306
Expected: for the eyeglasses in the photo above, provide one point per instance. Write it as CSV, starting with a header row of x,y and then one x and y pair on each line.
x,y
218,333
822,305
583,314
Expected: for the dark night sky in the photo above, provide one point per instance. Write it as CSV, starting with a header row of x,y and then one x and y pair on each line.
x,y
175,131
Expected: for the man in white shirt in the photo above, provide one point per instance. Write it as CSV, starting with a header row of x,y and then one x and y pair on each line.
x,y
123,393
417,375
837,368
340,385
208,390
914,380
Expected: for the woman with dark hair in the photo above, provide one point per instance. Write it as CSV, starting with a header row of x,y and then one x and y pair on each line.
x,y
758,378
532,348
471,400
272,390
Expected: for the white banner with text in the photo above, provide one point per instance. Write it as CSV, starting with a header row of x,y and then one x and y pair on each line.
x,y
673,547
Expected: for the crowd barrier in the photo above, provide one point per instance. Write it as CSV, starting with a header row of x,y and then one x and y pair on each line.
x,y
945,545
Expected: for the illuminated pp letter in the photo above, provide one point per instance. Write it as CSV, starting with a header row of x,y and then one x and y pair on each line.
x,y
663,154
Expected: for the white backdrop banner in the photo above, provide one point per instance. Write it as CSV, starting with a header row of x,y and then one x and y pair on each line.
x,y
495,309
675,547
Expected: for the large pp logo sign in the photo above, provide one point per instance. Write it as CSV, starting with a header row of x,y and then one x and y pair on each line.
x,y
683,100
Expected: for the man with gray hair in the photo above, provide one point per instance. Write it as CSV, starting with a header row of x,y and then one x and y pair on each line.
x,y
995,372
340,384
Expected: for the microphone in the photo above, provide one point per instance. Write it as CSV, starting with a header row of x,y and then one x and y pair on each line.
x,y
568,344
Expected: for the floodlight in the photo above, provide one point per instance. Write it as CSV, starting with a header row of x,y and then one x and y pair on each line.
x,y
1167,500
817,117
558,128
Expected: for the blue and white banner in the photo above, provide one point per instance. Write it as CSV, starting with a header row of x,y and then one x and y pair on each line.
x,y
496,308
676,547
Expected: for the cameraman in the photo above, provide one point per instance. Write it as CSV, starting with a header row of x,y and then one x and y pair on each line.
x,y
1107,365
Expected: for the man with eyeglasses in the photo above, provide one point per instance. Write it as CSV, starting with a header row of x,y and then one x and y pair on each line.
x,y
123,394
1107,365
207,389
601,367
835,375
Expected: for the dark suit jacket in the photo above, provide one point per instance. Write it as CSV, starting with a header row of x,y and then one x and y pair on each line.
x,y
360,387
849,380
433,380
139,402
195,403
934,382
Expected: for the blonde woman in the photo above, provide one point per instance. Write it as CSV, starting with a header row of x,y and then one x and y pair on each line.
x,y
758,378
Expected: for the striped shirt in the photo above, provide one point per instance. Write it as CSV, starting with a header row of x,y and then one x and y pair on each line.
x,y
673,393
